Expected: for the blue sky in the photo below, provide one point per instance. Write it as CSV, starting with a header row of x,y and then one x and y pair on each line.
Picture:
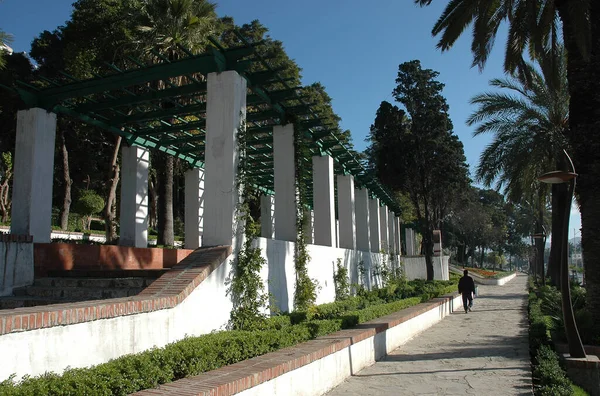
x,y
352,47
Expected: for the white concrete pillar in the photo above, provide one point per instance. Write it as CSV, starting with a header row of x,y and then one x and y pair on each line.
x,y
410,242
33,174
267,216
392,232
374,225
225,115
309,230
384,230
361,207
324,201
285,182
194,208
133,219
398,236
346,211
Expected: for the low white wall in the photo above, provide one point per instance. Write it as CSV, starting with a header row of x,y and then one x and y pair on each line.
x,y
279,274
16,265
206,309
84,344
321,376
416,268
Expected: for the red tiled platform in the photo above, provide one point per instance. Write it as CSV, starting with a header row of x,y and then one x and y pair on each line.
x,y
241,376
166,292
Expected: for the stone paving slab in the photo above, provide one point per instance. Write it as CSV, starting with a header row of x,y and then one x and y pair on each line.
x,y
484,352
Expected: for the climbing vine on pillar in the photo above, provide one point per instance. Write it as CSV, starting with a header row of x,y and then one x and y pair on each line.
x,y
246,287
306,288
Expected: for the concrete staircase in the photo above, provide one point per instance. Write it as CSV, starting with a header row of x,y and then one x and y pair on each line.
x,y
78,285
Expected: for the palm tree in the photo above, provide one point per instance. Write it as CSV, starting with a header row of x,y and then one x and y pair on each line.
x,y
533,26
5,38
166,25
528,117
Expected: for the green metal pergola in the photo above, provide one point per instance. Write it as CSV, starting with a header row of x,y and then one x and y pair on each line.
x,y
162,106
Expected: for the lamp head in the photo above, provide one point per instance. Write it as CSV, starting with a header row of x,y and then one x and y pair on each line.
x,y
557,177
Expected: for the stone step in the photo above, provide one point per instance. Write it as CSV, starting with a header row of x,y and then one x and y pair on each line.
x,y
93,282
78,293
153,274
29,301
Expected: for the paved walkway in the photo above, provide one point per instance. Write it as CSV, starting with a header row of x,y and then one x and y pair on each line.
x,y
484,352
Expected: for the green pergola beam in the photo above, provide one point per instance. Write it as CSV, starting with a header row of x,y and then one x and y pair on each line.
x,y
158,114
180,127
189,89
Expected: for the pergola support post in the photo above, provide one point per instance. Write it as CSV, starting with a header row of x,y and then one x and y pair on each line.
x,y
324,201
225,116
361,198
346,211
33,174
285,182
134,196
194,208
374,224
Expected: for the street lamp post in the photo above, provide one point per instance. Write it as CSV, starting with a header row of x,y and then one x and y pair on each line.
x,y
574,340
540,260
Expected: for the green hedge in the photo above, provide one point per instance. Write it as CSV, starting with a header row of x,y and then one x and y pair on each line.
x,y
550,379
194,355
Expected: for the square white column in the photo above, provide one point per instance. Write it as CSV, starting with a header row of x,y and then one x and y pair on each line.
x,y
324,201
398,236
285,182
194,208
346,211
309,229
133,219
410,242
267,216
392,232
374,224
361,208
33,174
384,230
225,116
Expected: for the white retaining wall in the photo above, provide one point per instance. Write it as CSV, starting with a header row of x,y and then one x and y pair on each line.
x,y
325,374
415,267
206,309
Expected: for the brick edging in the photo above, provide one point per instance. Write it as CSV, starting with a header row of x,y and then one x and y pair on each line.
x,y
249,373
169,290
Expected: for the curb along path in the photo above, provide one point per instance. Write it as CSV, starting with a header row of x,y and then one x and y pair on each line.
x,y
484,352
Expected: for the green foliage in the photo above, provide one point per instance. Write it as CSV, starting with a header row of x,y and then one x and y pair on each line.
x,y
88,204
340,279
549,377
246,287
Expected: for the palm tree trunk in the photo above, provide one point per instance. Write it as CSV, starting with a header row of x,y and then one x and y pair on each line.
x,y
66,207
584,120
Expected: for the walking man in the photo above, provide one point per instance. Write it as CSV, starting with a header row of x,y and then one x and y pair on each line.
x,y
466,287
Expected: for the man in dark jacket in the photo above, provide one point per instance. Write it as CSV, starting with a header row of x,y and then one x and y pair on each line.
x,y
466,287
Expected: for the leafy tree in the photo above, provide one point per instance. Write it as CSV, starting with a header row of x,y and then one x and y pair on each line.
x,y
88,204
534,25
165,25
6,173
416,151
5,39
